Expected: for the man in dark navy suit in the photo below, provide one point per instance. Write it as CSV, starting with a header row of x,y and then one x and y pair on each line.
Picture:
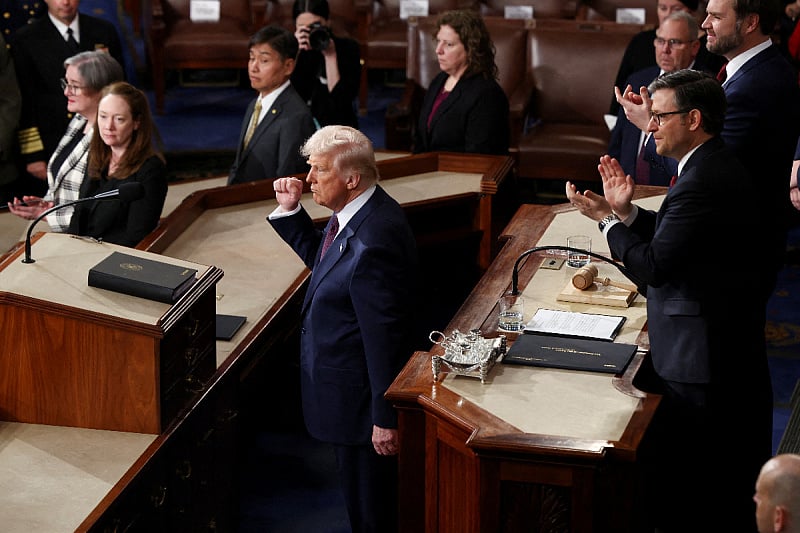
x,y
676,45
356,315
712,430
762,122
763,119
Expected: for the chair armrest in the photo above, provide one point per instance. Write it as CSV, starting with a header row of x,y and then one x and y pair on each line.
x,y
410,98
401,117
519,108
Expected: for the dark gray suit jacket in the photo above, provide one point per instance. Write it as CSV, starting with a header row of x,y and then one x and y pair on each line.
x,y
274,150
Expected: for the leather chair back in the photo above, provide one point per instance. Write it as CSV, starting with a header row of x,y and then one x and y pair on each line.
x,y
607,9
565,9
573,66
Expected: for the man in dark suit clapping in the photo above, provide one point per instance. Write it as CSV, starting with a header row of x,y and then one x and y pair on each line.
x,y
676,46
705,317
762,122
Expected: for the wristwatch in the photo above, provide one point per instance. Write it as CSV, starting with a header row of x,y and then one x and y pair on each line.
x,y
607,220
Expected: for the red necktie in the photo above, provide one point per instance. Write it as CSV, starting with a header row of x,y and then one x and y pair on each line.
x,y
673,180
722,75
333,229
642,167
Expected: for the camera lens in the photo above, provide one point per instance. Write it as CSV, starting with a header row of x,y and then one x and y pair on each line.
x,y
319,37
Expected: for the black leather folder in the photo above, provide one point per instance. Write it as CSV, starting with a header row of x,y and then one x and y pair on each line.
x,y
569,353
145,278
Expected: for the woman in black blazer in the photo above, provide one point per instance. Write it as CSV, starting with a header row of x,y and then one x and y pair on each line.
x,y
121,151
465,109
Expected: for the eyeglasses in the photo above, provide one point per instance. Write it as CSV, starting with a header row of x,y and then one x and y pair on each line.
x,y
658,42
659,117
74,89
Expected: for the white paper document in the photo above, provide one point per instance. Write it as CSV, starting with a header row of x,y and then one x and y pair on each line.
x,y
570,324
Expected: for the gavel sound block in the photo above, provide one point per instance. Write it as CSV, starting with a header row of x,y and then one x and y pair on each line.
x,y
586,286
587,275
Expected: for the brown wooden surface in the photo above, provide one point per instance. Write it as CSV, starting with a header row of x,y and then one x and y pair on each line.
x,y
279,322
462,466
71,367
494,170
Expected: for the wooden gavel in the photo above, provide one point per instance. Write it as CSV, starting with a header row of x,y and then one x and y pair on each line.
x,y
587,275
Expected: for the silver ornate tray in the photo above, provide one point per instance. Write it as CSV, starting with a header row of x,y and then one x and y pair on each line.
x,y
466,354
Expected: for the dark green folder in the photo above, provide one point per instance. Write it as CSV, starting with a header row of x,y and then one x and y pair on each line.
x,y
571,354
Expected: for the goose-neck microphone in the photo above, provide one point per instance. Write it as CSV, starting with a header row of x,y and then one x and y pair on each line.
x,y
127,192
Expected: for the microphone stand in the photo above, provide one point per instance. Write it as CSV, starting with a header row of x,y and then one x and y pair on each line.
x,y
101,196
515,272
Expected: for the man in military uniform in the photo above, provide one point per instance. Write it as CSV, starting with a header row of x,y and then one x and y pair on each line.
x,y
39,50
14,14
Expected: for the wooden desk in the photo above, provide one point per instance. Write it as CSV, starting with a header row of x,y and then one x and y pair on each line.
x,y
532,446
183,481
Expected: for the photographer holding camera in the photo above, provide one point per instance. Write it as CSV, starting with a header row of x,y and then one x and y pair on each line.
x,y
328,67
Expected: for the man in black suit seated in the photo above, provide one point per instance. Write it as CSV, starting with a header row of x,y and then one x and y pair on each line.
x,y
39,52
639,53
676,47
712,430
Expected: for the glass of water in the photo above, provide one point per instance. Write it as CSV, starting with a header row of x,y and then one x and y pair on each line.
x,y
578,259
510,313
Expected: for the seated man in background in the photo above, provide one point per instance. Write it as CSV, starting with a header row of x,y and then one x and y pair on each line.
x,y
639,53
328,67
278,121
676,47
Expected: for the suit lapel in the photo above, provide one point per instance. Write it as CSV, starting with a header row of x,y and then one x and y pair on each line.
x,y
270,115
448,102
341,244
753,62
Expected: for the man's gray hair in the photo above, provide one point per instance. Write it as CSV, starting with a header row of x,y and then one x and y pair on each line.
x,y
689,19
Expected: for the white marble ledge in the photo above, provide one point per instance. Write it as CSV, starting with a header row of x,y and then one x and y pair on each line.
x,y
52,477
